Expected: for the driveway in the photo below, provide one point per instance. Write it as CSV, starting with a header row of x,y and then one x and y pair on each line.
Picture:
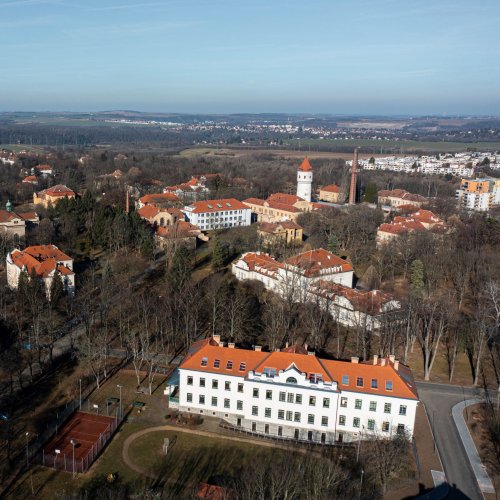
x,y
439,400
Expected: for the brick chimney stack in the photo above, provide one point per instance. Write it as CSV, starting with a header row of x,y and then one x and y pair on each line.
x,y
354,178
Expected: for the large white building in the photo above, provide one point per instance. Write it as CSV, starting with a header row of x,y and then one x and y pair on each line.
x,y
304,180
294,394
218,214
44,262
320,277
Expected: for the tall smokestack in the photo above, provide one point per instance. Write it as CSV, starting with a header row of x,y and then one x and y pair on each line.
x,y
354,178
127,203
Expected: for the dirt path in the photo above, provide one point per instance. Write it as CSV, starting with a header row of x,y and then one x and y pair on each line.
x,y
144,472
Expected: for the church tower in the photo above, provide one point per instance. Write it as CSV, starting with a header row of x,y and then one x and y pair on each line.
x,y
304,180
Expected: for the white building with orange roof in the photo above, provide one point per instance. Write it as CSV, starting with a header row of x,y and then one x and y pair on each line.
x,y
304,180
14,223
43,261
218,214
293,394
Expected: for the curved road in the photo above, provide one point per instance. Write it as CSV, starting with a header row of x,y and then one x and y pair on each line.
x,y
439,400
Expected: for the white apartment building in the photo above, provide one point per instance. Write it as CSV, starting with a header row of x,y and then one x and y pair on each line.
x,y
294,394
218,214
479,195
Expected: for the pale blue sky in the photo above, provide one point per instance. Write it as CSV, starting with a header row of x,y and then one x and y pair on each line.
x,y
318,56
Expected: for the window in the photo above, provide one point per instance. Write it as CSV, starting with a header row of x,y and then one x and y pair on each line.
x,y
202,382
201,399
387,408
355,422
239,405
227,403
256,393
189,397
281,414
359,382
374,383
388,385
345,379
312,400
371,425
269,394
190,381
326,402
385,426
215,384
242,367
216,363
291,380
289,397
310,419
314,378
289,415
204,361
357,404
324,421
401,429
214,401
270,372
373,406
296,417
240,387
267,412
402,410
341,419
298,399
227,386
343,402
282,396
255,410
229,365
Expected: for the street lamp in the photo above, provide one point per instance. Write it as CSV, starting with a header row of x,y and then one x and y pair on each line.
x,y
120,388
73,443
361,483
27,451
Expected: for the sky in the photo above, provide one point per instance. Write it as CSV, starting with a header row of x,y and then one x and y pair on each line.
x,y
381,57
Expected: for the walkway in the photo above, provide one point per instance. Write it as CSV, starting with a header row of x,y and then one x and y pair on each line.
x,y
143,472
483,480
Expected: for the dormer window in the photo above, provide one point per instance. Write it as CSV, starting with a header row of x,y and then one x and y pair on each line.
x,y
229,365
270,372
345,379
217,363
374,383
291,380
204,361
388,385
359,382
243,367
314,378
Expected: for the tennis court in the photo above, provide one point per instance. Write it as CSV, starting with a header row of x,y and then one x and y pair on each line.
x,y
78,442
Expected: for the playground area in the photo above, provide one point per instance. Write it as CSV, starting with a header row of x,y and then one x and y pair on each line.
x,y
78,442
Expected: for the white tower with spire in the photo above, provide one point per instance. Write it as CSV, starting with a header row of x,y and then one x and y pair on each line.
x,y
304,180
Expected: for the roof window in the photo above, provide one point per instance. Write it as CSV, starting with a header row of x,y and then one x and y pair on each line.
x,y
204,361
216,363
374,383
359,382
388,385
229,365
345,379
243,366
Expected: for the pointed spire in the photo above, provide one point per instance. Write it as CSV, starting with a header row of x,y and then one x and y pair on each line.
x,y
305,166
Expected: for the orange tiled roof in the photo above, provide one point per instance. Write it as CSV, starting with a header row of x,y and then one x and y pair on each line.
x,y
304,363
41,260
6,216
313,262
259,261
331,188
271,227
305,166
181,229
148,211
284,199
42,252
148,199
217,205
30,179
208,356
57,190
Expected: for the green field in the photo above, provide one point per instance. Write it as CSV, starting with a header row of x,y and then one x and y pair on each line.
x,y
393,146
22,147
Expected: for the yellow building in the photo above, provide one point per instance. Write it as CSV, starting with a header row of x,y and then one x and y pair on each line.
x,y
287,231
330,193
52,195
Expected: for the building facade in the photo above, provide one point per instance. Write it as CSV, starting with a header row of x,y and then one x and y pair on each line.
x,y
44,262
52,195
330,193
294,394
479,195
286,232
218,214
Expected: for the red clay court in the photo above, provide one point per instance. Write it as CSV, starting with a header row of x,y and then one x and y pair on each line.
x,y
90,433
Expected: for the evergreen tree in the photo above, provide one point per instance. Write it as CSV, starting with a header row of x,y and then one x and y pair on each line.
x,y
220,254
333,244
181,269
370,194
417,276
56,289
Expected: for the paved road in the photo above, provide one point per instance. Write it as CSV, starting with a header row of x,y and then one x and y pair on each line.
x,y
439,400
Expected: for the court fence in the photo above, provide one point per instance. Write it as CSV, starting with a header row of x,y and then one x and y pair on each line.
x,y
70,463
